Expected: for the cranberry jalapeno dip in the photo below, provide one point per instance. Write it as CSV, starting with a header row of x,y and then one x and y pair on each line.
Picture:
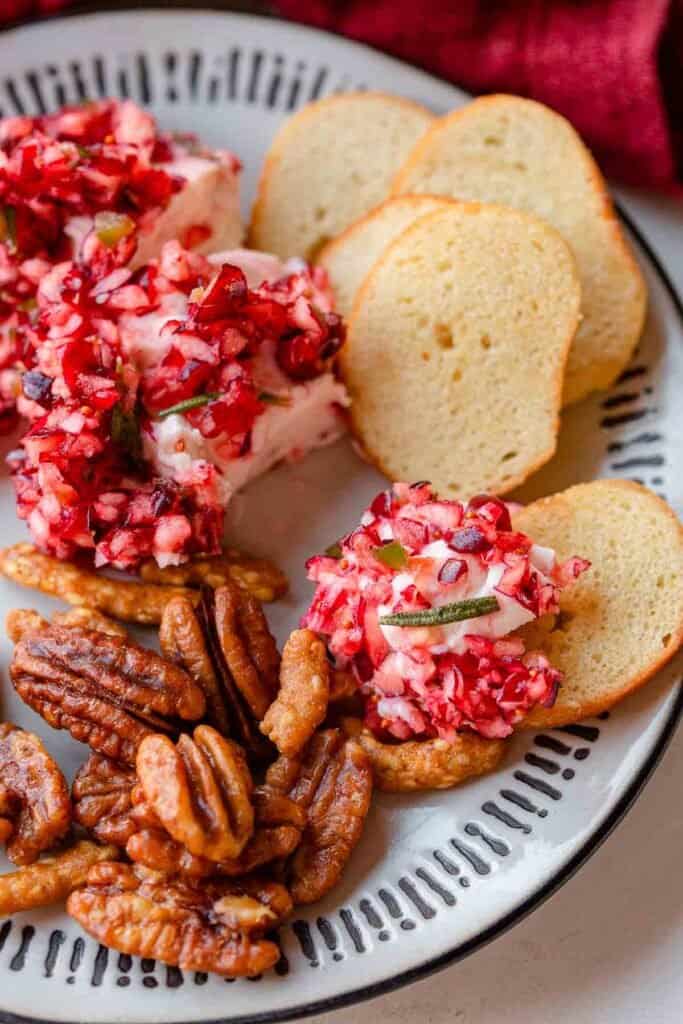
x,y
101,185
419,603
154,393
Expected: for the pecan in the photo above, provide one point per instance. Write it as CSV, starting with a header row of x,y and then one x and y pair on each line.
x,y
226,647
126,600
105,690
279,823
51,879
301,703
35,809
102,804
332,781
21,621
426,764
200,789
217,926
257,576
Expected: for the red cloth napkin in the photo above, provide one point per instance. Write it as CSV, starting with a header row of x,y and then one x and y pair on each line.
x,y
613,67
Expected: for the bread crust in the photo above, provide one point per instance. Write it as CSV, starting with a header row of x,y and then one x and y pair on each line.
x,y
290,128
581,385
346,356
561,713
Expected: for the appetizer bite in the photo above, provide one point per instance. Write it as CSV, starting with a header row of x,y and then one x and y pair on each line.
x,y
99,184
153,394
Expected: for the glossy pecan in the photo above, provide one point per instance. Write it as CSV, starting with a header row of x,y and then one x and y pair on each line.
x,y
301,703
279,824
332,781
126,600
105,690
21,621
35,809
51,879
101,797
215,926
200,789
226,647
257,576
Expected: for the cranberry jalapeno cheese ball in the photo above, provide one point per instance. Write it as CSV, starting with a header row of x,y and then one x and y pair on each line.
x,y
154,393
101,185
419,603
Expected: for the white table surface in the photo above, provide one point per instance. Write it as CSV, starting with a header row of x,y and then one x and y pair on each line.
x,y
608,947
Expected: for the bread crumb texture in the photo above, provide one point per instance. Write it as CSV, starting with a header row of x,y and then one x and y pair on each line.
x,y
623,618
504,149
457,346
330,164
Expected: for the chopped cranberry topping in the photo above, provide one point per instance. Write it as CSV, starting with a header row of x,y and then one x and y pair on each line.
x,y
424,681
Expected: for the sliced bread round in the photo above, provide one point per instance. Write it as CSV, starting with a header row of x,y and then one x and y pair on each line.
x,y
328,165
503,149
456,349
349,257
623,618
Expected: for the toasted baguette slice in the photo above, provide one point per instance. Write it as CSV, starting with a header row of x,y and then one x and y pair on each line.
x,y
349,257
456,349
623,618
328,165
426,764
503,149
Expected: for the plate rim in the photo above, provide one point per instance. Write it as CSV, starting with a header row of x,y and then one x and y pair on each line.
x,y
539,896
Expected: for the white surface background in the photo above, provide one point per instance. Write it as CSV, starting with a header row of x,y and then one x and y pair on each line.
x,y
608,947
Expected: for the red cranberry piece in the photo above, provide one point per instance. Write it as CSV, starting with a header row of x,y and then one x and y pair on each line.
x,y
469,539
496,510
37,386
382,504
451,570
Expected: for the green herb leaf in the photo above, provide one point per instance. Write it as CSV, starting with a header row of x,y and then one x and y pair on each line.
x,y
83,151
125,431
111,227
392,554
189,403
334,550
272,399
458,611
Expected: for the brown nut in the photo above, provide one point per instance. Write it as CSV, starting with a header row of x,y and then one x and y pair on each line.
x,y
51,879
248,647
426,764
257,576
301,704
217,926
35,809
126,600
21,621
105,690
101,796
200,789
332,780
183,642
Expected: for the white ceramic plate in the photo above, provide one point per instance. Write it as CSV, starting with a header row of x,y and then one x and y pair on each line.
x,y
435,875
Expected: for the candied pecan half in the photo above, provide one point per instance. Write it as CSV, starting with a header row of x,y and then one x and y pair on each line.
x,y
332,781
200,789
21,621
126,600
426,764
101,796
257,576
215,926
279,824
226,647
301,703
105,690
35,809
51,879
248,647
182,641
